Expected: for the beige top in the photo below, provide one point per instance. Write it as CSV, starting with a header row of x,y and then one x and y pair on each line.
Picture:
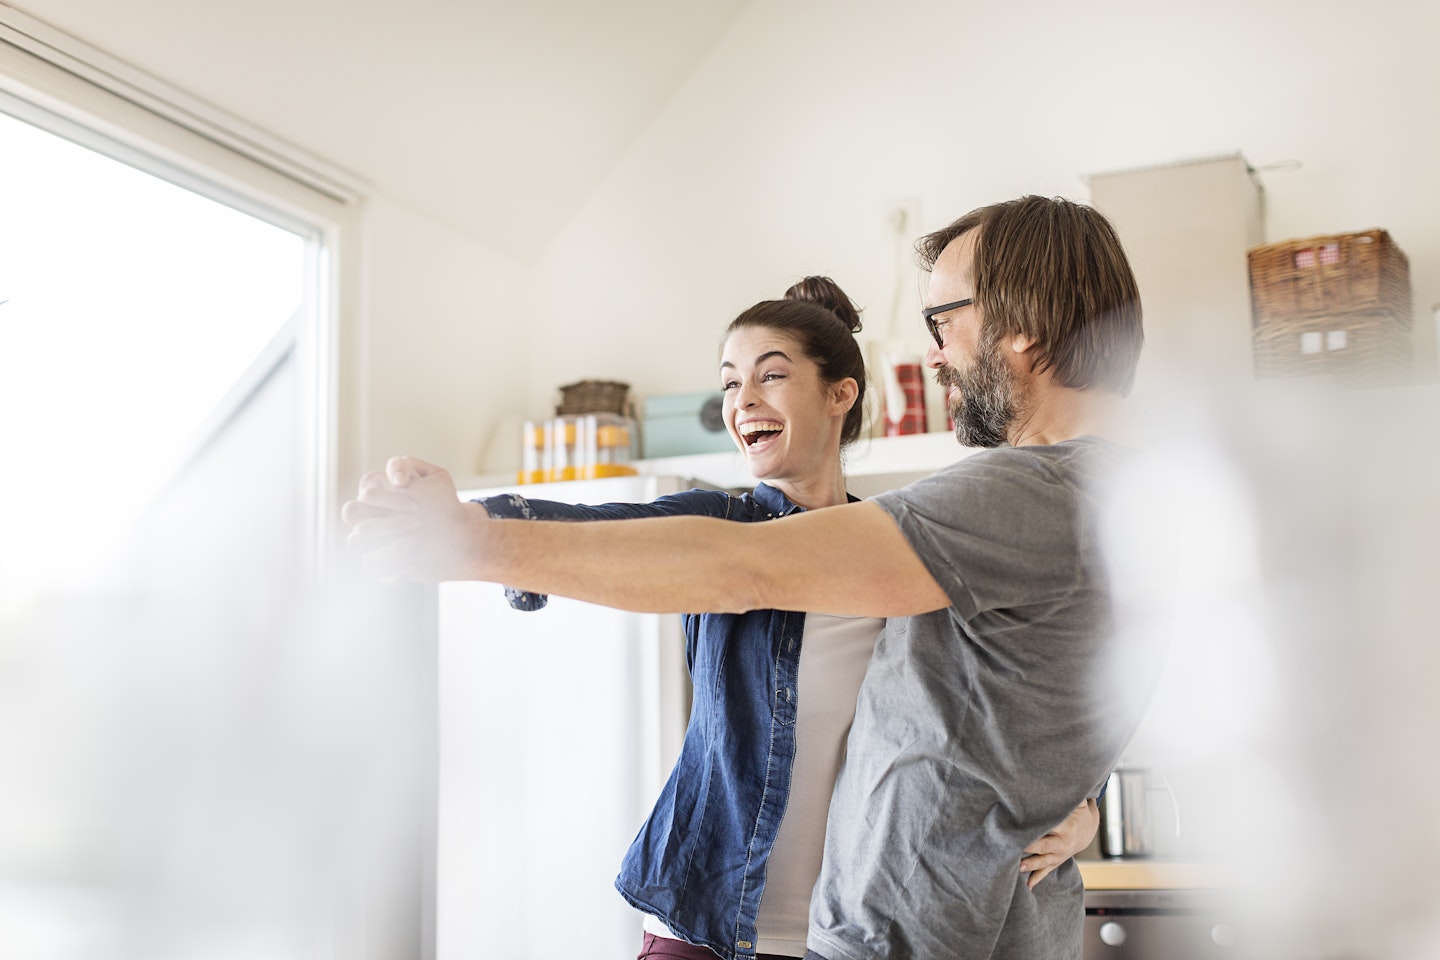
x,y
833,656
834,652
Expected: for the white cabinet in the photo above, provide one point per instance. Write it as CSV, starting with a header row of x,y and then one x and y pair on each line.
x,y
1186,227
557,729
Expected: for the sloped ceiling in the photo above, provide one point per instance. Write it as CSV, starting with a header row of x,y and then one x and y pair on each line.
x,y
495,118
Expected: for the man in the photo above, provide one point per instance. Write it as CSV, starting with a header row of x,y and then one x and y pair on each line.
x,y
982,722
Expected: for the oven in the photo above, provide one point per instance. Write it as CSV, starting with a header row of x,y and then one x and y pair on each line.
x,y
1157,925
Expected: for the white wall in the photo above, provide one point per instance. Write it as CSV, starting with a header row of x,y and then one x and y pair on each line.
x,y
445,343
783,151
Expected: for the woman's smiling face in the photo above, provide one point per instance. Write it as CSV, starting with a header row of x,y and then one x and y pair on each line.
x,y
784,418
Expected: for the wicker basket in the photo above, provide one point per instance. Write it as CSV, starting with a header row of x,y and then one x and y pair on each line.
x,y
1336,305
595,396
1330,276
1358,348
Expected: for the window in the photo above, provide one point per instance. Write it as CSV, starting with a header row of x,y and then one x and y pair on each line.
x,y
179,762
138,319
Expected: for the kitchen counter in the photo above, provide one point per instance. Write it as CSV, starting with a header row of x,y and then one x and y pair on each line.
x,y
1151,875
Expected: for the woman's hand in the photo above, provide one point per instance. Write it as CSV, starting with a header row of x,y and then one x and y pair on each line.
x,y
409,523
1062,843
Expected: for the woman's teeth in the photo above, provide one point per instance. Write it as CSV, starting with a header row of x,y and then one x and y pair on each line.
x,y
757,430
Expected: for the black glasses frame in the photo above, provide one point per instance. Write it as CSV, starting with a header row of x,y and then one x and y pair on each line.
x,y
934,325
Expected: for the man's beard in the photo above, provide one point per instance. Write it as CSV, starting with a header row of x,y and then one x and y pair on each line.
x,y
985,405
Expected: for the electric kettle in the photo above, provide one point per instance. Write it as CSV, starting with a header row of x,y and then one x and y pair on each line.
x,y
1126,827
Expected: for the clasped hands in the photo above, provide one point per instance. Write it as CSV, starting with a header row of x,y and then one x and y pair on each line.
x,y
408,523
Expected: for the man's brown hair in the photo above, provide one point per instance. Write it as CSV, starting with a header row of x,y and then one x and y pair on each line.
x,y
1054,270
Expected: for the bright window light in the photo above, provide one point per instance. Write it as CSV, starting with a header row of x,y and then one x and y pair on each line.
x,y
131,307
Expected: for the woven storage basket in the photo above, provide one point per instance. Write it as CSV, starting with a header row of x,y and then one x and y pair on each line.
x,y
1358,348
1330,276
595,396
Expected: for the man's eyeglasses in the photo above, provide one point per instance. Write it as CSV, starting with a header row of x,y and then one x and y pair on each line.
x,y
929,314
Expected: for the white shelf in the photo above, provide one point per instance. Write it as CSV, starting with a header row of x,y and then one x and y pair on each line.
x,y
871,465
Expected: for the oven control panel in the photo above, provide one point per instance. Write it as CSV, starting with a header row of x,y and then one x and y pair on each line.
x,y
1157,925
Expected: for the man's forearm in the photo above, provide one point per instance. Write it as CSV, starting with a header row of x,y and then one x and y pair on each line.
x,y
849,559
845,560
659,565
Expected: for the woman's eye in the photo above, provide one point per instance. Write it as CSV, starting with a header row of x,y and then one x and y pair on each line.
x,y
730,385
773,376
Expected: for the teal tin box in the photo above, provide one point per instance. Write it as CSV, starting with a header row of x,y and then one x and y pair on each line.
x,y
684,423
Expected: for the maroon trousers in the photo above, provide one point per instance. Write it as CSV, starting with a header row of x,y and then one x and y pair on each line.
x,y
663,948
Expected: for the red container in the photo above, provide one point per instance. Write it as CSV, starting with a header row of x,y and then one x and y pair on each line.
x,y
908,416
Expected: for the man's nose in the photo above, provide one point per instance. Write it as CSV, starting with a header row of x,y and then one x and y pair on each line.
x,y
934,358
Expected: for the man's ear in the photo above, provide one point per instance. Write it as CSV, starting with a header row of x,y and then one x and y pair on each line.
x,y
1022,343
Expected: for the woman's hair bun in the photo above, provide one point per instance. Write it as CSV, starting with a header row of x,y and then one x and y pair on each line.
x,y
827,293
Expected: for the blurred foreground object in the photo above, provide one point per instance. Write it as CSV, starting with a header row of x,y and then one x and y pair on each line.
x,y
1297,705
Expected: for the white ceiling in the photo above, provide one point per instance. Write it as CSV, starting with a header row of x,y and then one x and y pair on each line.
x,y
496,118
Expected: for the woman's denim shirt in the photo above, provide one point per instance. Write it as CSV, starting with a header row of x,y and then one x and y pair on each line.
x,y
698,863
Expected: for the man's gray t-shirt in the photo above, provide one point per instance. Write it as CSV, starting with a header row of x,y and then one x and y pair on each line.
x,y
981,726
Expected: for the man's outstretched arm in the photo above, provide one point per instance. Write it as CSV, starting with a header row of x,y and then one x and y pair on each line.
x,y
849,559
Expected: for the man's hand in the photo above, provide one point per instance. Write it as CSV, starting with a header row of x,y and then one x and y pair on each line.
x,y
409,523
1062,843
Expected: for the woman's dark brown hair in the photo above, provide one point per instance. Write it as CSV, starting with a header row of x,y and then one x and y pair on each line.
x,y
824,321
1055,271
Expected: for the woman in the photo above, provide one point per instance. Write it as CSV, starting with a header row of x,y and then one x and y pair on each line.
x,y
727,859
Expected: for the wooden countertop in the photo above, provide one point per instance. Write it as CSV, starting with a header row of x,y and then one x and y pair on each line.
x,y
1150,875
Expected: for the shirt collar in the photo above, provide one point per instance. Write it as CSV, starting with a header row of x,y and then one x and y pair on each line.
x,y
780,505
774,501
